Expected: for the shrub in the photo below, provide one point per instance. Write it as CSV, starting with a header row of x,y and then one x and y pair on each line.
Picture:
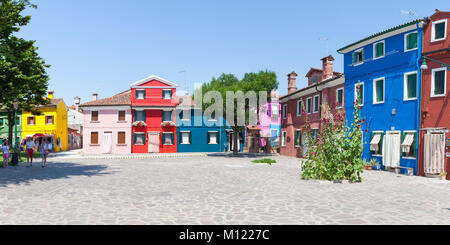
x,y
266,160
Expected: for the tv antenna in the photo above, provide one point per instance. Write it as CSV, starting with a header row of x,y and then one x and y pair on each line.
x,y
326,43
411,13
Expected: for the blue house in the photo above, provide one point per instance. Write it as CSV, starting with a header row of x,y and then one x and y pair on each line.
x,y
383,72
196,133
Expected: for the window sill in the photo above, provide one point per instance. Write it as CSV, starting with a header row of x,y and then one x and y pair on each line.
x,y
378,57
139,144
213,143
377,155
121,144
168,144
121,121
410,158
94,144
377,103
409,99
437,96
407,50
357,64
185,143
438,40
94,121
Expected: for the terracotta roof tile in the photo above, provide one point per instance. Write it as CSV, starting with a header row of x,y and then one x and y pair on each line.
x,y
123,98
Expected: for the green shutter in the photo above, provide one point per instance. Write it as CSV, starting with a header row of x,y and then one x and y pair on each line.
x,y
371,138
411,41
354,58
412,86
363,54
380,90
134,139
379,49
190,137
172,137
207,138
402,138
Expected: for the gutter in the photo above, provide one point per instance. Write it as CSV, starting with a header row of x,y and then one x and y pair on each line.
x,y
419,84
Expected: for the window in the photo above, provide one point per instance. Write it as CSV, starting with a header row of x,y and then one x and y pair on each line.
x,y
410,86
121,138
359,93
376,143
48,119
274,110
316,104
140,94
438,31
408,144
139,116
378,91
167,116
212,117
186,138
212,138
340,98
358,57
298,137
94,116
167,138
167,94
438,84
309,105
1,122
411,40
139,138
94,138
315,133
299,107
284,111
283,139
378,50
121,116
31,121
185,115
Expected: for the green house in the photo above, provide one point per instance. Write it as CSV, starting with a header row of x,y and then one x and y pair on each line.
x,y
4,126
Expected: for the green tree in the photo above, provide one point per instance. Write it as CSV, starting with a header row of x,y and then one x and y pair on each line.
x,y
22,71
263,81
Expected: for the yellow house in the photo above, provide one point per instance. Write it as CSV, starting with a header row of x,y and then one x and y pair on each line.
x,y
51,123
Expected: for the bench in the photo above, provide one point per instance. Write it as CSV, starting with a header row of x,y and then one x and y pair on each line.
x,y
410,171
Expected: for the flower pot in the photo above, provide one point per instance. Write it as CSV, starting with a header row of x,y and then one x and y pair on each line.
x,y
442,177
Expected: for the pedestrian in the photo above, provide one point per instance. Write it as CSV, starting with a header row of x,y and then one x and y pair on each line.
x,y
44,152
30,145
5,150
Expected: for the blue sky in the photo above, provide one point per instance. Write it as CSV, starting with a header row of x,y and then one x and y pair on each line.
x,y
102,46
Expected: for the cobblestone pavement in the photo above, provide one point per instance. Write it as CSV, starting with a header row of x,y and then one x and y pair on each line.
x,y
211,190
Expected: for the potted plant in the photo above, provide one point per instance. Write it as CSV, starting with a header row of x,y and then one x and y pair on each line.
x,y
443,175
375,164
367,165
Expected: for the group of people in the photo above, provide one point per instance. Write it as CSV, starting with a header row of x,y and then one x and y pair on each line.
x,y
41,145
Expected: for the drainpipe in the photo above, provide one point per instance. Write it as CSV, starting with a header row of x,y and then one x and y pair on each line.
x,y
419,84
320,107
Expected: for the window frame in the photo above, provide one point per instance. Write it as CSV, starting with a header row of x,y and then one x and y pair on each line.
x,y
375,90
182,113
171,116
362,56
139,133
124,116
405,37
90,138
413,145
299,107
295,138
166,133
34,120
374,50
337,97
380,144
53,120
209,137
433,30
125,138
314,104
405,85
433,71
307,107
181,139
167,90
140,90
284,111
97,116
283,138
356,95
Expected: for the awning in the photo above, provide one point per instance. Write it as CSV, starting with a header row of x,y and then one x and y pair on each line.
x,y
374,144
407,142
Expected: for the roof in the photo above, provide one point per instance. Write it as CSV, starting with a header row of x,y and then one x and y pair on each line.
x,y
53,103
123,98
311,86
153,77
380,33
320,70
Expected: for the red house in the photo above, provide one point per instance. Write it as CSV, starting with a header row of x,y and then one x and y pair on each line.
x,y
324,85
434,152
153,102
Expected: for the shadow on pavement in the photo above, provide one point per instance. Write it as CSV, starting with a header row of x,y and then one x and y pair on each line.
x,y
20,174
242,155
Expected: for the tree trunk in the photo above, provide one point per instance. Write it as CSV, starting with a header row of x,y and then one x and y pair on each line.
x,y
235,140
11,123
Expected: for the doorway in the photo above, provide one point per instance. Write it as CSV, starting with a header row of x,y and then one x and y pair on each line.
x,y
107,142
153,142
391,149
434,152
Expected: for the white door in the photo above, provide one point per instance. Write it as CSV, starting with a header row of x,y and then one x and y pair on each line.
x,y
434,153
153,142
391,149
304,144
107,142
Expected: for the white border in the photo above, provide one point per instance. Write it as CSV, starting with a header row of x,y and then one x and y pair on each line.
x,y
433,30
284,111
309,112
433,71
301,135
375,90
405,49
359,63
314,104
363,94
283,138
405,85
374,50
299,107
337,97
181,140
217,138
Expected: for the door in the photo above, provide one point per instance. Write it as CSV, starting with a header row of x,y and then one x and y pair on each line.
x,y
434,153
304,144
107,143
391,149
153,142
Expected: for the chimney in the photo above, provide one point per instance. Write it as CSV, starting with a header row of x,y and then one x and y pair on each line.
x,y
50,94
327,67
94,96
292,80
77,103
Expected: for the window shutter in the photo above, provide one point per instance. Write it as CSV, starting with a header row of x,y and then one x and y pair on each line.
x,y
190,138
354,58
402,138
172,138
363,54
412,86
207,138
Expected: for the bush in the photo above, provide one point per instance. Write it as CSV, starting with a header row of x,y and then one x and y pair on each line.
x,y
266,160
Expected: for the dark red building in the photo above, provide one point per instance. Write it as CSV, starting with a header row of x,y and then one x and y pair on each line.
x,y
324,85
434,152
153,102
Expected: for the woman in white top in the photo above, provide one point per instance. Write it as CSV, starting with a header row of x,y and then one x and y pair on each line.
x,y
44,152
5,150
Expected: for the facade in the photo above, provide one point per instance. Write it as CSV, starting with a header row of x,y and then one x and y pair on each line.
x,y
324,86
4,123
107,125
382,74
153,104
51,123
196,132
75,125
434,151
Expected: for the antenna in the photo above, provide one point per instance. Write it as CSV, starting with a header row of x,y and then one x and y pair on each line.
x,y
326,42
411,13
185,81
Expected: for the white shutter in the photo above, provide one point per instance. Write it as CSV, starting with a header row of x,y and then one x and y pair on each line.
x,y
434,153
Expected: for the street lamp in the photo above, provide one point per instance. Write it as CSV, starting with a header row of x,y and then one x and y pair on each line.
x,y
424,65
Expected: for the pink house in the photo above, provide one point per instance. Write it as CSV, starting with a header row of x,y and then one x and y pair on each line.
x,y
107,125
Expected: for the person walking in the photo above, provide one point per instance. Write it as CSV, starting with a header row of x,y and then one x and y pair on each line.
x,y
44,152
30,150
5,150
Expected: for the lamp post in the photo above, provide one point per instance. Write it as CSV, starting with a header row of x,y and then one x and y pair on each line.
x,y
16,106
